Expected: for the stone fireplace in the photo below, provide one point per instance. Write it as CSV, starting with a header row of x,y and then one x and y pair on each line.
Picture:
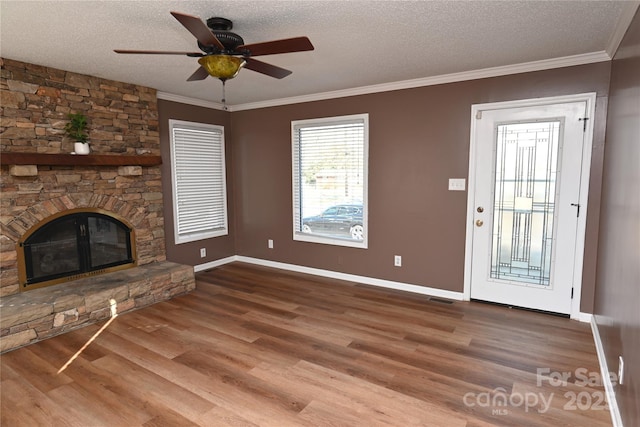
x,y
44,186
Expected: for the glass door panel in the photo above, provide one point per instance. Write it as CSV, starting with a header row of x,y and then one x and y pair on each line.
x,y
109,242
53,252
524,201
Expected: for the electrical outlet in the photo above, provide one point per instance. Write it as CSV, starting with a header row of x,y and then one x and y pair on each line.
x,y
203,252
620,369
397,261
270,243
457,184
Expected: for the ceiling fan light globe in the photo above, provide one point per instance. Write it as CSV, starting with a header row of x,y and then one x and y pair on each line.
x,y
222,66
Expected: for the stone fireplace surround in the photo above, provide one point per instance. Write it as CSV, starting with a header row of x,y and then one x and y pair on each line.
x,y
37,314
123,126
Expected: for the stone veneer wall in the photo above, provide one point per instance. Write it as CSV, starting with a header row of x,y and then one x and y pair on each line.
x,y
123,120
35,102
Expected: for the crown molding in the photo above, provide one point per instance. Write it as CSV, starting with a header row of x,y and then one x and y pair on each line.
x,y
624,22
526,67
567,61
191,101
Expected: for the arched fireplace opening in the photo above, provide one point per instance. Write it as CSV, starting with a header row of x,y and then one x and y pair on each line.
x,y
73,244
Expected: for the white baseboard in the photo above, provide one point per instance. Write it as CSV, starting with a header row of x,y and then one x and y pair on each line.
x,y
215,263
424,290
583,317
606,379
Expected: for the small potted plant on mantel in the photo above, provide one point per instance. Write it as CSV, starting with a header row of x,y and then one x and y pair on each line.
x,y
76,129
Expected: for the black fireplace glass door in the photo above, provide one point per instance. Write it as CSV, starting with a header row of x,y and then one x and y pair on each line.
x,y
108,242
53,252
74,244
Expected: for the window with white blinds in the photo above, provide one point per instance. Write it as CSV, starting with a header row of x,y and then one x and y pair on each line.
x,y
330,174
199,181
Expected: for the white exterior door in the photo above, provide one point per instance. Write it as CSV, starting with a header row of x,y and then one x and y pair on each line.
x,y
527,222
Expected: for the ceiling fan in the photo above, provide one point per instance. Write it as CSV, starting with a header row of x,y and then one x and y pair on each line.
x,y
223,53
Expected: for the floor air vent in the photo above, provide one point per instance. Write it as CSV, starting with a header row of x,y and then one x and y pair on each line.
x,y
441,301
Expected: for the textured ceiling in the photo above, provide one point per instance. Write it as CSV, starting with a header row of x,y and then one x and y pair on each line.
x,y
357,43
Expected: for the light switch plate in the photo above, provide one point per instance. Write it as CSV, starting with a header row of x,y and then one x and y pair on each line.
x,y
457,184
397,260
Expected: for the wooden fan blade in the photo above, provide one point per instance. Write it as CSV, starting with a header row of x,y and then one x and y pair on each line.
x,y
264,68
200,74
198,28
296,44
158,52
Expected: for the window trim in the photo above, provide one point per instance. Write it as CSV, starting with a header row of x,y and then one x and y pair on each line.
x,y
303,237
198,235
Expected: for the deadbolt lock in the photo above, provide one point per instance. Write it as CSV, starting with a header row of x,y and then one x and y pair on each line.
x,y
480,209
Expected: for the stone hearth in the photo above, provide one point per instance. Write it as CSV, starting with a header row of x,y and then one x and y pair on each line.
x,y
42,313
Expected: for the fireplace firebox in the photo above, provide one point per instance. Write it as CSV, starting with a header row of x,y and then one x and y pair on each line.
x,y
74,244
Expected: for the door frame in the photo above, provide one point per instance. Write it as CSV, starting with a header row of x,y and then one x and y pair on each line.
x,y
477,109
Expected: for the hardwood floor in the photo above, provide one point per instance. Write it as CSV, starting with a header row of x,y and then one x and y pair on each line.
x,y
259,346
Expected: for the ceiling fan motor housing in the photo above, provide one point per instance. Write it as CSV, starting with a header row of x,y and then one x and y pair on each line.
x,y
221,27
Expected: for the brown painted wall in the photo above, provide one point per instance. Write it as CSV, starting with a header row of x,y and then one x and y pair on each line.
x,y
618,280
219,247
419,138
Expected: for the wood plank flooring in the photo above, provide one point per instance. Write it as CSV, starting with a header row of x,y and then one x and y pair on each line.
x,y
255,346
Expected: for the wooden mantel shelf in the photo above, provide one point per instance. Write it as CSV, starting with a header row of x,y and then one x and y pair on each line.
x,y
78,160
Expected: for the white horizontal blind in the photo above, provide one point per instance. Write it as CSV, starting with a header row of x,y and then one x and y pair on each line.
x,y
329,168
199,183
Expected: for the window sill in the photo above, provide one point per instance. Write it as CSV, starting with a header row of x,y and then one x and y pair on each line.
x,y
311,238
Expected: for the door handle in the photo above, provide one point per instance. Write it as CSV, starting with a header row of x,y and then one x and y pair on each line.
x,y
479,223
